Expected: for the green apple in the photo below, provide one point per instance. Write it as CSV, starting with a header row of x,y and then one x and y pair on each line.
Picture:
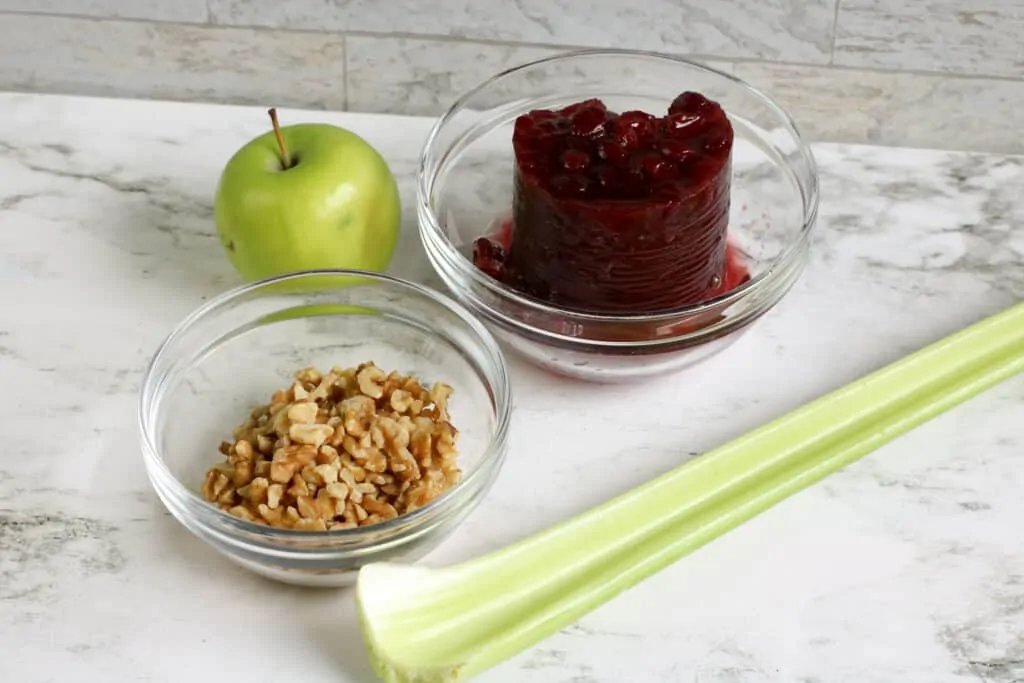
x,y
306,197
315,311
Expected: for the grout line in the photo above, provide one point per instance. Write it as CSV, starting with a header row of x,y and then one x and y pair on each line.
x,y
425,37
860,69
835,34
92,17
344,72
934,145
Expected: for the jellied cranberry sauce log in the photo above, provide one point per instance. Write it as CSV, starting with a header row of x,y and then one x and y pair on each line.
x,y
618,213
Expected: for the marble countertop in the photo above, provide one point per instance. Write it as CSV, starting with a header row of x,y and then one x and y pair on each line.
x,y
907,566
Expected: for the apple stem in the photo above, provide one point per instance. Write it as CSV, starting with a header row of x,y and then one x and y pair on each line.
x,y
286,158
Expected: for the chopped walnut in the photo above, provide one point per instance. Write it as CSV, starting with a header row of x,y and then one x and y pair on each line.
x,y
338,450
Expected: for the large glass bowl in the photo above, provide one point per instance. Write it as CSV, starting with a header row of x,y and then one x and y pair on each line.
x,y
465,189
237,349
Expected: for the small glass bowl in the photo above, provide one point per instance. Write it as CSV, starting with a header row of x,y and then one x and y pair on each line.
x,y
465,188
237,349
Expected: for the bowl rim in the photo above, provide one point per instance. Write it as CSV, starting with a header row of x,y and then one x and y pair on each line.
x,y
348,540
431,227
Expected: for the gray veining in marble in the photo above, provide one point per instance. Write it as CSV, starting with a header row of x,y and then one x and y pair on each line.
x,y
981,37
771,29
158,10
907,566
172,61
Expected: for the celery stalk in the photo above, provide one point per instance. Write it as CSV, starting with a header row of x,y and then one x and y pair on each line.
x,y
423,625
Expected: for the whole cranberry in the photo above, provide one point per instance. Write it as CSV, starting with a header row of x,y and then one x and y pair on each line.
x,y
525,127
655,166
717,142
540,115
626,137
593,103
677,150
495,269
610,150
688,103
484,248
549,128
588,122
575,160
682,125
642,123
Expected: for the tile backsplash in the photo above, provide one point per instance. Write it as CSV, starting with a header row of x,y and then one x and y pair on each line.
x,y
922,73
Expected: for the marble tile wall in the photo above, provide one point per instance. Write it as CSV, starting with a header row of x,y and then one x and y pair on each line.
x,y
923,73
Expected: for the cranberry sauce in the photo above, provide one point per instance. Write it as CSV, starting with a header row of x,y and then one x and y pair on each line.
x,y
618,213
490,254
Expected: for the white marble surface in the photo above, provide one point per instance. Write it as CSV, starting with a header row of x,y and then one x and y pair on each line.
x,y
908,566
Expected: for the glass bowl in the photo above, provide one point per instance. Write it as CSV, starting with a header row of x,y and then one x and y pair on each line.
x,y
237,349
465,189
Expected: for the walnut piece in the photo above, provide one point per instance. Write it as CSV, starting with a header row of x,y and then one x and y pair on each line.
x,y
338,450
